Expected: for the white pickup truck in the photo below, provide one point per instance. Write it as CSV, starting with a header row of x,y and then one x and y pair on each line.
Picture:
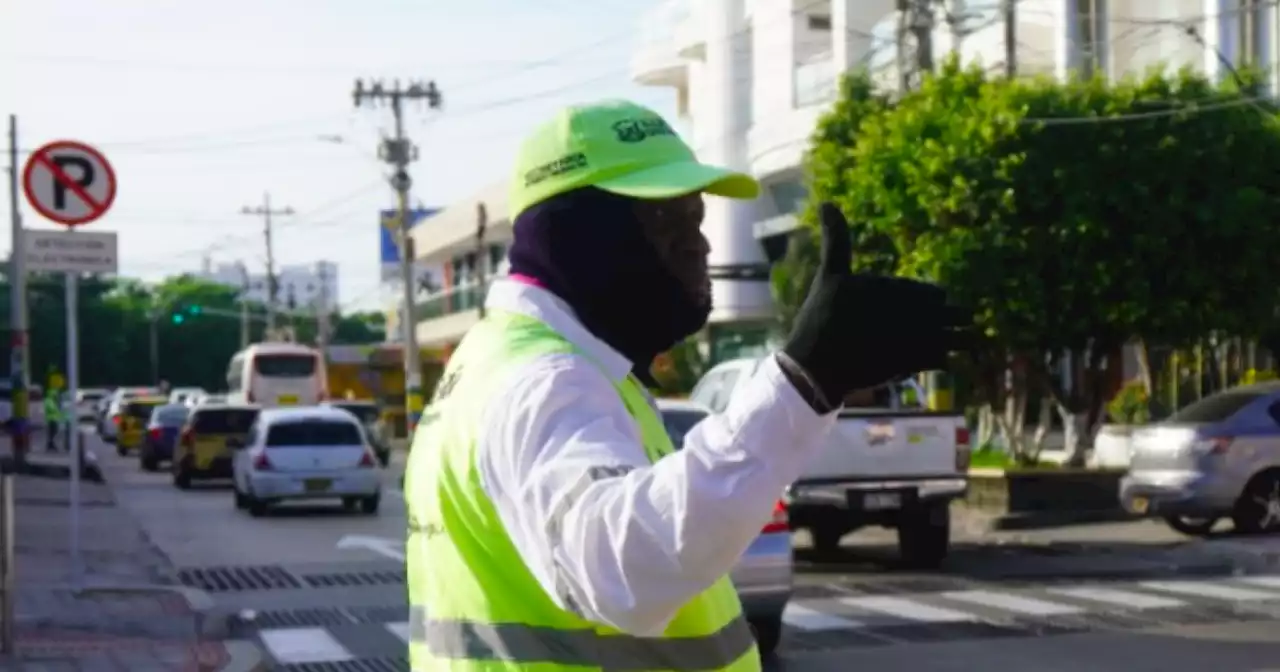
x,y
886,463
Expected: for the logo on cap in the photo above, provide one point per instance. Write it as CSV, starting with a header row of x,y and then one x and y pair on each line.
x,y
639,130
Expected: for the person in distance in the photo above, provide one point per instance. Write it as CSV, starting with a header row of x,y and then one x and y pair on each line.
x,y
551,522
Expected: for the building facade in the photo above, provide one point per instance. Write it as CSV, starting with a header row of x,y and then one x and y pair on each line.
x,y
308,287
751,78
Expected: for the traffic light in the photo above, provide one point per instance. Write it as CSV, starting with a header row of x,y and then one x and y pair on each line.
x,y
180,315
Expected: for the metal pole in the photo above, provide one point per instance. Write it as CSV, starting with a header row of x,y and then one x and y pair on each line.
x,y
271,263
412,366
73,433
19,354
244,307
7,567
155,345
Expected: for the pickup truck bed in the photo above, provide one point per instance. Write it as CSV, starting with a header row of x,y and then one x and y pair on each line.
x,y
891,465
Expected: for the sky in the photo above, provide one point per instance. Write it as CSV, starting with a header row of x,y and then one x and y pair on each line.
x,y
203,108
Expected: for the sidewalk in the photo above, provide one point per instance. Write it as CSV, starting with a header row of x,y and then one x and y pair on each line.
x,y
128,617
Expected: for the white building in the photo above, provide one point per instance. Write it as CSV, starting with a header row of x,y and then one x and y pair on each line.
x,y
751,77
301,286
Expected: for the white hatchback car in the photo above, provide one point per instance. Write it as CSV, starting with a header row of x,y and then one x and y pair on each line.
x,y
310,453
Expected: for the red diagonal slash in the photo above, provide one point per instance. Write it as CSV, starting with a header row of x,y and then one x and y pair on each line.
x,y
62,177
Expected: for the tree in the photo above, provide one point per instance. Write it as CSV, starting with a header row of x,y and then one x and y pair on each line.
x,y
1072,217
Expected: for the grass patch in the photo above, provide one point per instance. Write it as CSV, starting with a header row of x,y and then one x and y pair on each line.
x,y
992,458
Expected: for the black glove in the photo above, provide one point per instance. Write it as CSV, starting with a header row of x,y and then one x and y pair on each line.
x,y
857,331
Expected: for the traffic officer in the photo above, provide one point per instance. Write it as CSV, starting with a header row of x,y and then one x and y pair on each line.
x,y
53,417
551,522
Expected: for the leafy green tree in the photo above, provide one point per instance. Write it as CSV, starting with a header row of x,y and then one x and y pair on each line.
x,y
1072,217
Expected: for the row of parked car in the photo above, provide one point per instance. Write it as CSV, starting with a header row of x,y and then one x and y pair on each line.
x,y
332,451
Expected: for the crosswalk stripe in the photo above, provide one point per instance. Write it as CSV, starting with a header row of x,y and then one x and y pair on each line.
x,y
805,618
400,630
1208,589
1015,603
1119,598
907,609
304,645
1263,581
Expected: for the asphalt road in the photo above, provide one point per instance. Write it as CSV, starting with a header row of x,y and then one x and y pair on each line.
x,y
317,585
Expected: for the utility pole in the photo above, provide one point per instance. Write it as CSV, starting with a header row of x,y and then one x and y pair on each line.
x,y
922,21
244,305
322,308
1010,38
19,355
266,212
482,257
399,152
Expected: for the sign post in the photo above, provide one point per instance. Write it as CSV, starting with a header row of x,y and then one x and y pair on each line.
x,y
72,184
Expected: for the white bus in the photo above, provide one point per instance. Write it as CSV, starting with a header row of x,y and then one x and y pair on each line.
x,y
277,374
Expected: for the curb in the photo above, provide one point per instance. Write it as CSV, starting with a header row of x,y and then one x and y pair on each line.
x,y
211,622
244,656
1051,519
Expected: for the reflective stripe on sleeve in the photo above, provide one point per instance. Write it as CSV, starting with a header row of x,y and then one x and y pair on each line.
x,y
514,642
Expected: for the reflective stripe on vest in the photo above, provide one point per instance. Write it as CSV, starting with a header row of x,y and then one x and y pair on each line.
x,y
514,642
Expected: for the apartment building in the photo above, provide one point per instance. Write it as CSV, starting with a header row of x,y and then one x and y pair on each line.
x,y
751,77
298,287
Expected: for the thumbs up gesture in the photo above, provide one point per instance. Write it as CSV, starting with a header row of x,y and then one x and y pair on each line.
x,y
857,331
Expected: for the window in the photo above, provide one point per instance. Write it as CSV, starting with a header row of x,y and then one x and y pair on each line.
x,y
285,366
1216,408
1252,24
789,196
819,22
170,416
313,433
223,420
1091,37
679,421
140,410
708,388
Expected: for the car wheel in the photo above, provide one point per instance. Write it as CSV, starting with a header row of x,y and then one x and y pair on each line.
x,y
1258,509
1192,527
768,633
147,461
242,502
369,505
257,507
181,476
924,535
121,450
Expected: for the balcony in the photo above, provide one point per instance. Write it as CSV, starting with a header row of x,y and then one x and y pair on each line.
x,y
815,81
656,60
444,317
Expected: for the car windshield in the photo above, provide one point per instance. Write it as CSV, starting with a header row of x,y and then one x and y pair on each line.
x,y
169,416
223,420
285,366
313,433
679,422
141,410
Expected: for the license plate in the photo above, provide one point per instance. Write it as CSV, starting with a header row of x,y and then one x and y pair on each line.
x,y
287,400
880,501
316,484
1140,505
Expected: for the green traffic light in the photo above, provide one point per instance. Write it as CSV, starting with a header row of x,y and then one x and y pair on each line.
x,y
195,310
178,319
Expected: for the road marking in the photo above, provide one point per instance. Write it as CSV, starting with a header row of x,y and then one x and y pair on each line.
x,y
1119,598
1208,589
1262,581
1015,603
805,618
400,630
390,548
304,645
907,609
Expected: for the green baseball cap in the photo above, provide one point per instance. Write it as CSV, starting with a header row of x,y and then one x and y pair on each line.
x,y
620,147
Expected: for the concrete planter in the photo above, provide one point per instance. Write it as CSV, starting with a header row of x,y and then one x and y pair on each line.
x,y
1113,447
1022,498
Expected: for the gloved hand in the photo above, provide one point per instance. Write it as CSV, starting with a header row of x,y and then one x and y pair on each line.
x,y
857,331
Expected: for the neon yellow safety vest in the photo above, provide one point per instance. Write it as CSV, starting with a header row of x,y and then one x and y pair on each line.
x,y
474,605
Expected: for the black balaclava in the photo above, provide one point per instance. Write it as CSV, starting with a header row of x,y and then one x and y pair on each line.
x,y
588,248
